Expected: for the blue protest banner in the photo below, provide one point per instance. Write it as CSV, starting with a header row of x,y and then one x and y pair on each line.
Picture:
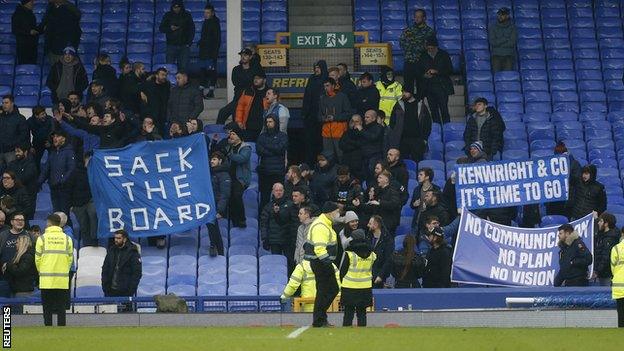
x,y
512,183
152,187
487,253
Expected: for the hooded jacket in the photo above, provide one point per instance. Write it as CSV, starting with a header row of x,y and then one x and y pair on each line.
x,y
78,184
348,88
184,102
322,182
366,99
157,100
603,243
574,260
221,187
410,120
442,63
271,148
390,92
503,38
210,40
185,33
586,197
313,92
491,132
13,130
129,88
79,78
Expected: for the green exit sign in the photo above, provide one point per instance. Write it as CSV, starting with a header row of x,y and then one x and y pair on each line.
x,y
336,40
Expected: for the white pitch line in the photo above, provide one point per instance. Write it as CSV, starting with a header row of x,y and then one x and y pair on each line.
x,y
298,332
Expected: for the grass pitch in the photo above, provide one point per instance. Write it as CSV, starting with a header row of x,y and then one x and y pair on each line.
x,y
275,339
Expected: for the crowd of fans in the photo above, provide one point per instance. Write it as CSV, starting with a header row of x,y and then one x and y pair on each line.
x,y
356,140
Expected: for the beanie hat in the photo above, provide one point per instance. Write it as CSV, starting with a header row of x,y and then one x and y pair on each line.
x,y
349,216
477,145
358,234
234,128
328,207
69,50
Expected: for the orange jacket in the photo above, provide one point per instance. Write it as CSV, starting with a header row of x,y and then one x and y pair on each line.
x,y
243,107
334,130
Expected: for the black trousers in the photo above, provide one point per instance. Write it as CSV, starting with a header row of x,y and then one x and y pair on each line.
x,y
412,148
265,185
411,78
227,111
26,51
54,301
349,311
237,209
438,103
620,312
313,141
326,291
215,237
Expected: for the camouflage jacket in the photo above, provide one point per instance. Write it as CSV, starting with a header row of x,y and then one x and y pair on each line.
x,y
413,41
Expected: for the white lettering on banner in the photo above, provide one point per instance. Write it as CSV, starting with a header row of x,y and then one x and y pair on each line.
x,y
139,164
160,189
504,194
466,195
161,216
179,186
506,257
183,162
541,278
114,217
185,213
535,260
552,189
559,166
473,225
117,167
143,212
489,173
528,241
499,273
159,165
128,187
583,229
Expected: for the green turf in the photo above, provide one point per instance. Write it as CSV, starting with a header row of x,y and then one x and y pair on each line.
x,y
274,339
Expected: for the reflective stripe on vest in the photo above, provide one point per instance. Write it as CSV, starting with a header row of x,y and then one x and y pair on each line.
x,y
359,275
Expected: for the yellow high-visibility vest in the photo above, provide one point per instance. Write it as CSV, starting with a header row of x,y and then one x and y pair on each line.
x,y
388,97
54,253
617,268
359,275
321,240
303,277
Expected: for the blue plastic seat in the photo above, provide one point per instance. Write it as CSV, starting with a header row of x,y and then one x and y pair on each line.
x,y
502,76
183,260
541,153
600,144
542,144
535,85
89,291
529,75
515,154
552,221
181,289
536,117
569,134
562,85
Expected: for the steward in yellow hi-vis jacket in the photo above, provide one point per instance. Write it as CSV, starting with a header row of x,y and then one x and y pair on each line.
x,y
54,253
303,277
357,283
617,283
320,249
390,92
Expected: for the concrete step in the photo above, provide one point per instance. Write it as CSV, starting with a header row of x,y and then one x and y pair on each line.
x,y
456,100
307,20
215,103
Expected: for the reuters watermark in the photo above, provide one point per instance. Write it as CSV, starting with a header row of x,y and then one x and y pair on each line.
x,y
6,327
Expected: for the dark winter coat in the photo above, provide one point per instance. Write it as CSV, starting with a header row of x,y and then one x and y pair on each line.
x,y
59,166
271,148
81,81
345,193
366,99
25,171
210,40
185,33
491,132
389,207
13,130
221,187
415,272
383,249
351,146
274,227
111,136
61,26
586,197
442,80
313,91
40,131
348,88
437,211
438,269
322,182
574,261
243,78
603,243
399,173
372,140
23,200
89,141
410,120
157,100
107,76
416,195
21,276
126,277
129,89
184,103
22,22
78,186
